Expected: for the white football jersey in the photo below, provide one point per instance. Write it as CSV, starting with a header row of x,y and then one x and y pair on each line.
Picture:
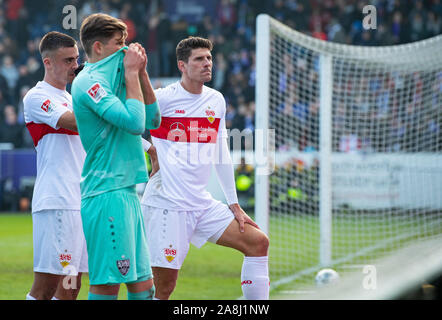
x,y
187,148
60,154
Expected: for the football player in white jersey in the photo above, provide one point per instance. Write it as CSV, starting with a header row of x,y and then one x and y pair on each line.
x,y
177,208
60,254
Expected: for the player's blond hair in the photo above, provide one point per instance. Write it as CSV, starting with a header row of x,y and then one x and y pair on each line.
x,y
100,27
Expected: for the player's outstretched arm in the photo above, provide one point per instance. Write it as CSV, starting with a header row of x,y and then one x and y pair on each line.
x,y
226,177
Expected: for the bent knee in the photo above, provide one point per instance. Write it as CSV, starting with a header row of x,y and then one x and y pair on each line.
x,y
259,247
262,246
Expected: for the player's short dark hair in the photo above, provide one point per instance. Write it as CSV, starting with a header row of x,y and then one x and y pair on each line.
x,y
185,47
55,40
100,27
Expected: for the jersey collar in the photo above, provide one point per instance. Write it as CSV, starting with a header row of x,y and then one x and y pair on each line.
x,y
107,59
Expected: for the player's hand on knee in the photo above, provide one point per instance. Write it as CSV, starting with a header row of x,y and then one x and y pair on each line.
x,y
241,217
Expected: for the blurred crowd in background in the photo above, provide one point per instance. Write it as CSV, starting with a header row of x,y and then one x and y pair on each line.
x,y
373,109
159,24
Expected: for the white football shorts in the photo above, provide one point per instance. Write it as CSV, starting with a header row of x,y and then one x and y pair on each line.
x,y
170,232
59,243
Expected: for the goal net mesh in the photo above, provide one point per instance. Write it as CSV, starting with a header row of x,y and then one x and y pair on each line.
x,y
386,142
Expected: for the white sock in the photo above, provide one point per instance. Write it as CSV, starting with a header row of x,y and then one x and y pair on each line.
x,y
54,298
29,297
155,298
255,283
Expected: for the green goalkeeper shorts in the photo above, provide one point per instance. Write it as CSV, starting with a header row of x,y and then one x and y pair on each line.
x,y
115,237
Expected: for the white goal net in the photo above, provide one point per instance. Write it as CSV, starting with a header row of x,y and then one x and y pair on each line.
x,y
358,163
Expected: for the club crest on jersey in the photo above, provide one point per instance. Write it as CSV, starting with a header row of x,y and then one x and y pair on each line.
x,y
96,92
46,106
65,259
210,115
123,266
170,253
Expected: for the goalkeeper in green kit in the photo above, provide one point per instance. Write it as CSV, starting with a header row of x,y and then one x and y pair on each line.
x,y
114,103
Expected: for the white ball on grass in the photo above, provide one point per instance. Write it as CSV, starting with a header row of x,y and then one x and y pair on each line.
x,y
326,277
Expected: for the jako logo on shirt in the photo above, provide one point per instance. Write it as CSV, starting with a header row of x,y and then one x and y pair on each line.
x,y
180,111
246,282
96,92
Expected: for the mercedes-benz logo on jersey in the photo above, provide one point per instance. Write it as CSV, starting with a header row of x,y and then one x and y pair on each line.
x,y
177,129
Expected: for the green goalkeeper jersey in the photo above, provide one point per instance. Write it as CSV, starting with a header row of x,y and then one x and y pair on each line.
x,y
109,126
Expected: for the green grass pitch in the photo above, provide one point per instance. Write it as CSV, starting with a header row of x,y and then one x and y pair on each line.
x,y
209,273
213,272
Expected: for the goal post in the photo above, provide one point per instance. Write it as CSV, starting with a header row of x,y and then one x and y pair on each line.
x,y
325,152
262,90
358,149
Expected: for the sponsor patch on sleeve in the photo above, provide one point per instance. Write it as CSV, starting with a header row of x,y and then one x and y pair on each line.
x,y
96,92
46,106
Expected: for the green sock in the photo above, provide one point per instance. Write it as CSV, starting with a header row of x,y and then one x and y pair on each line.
x,y
94,296
143,295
